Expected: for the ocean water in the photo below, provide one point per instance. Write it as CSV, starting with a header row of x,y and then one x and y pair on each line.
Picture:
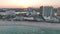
x,y
26,30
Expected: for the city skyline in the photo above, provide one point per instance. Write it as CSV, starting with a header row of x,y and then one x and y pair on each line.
x,y
28,3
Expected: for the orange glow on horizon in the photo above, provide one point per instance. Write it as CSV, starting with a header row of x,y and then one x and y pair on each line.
x,y
28,3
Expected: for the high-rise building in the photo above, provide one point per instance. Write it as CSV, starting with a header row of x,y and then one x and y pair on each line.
x,y
41,10
47,12
58,11
55,11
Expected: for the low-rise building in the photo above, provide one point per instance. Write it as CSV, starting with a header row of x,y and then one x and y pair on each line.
x,y
10,12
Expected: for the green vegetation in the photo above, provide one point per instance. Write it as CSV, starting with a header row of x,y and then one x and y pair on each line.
x,y
20,14
1,16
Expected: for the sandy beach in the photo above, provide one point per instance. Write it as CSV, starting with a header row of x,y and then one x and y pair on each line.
x,y
27,23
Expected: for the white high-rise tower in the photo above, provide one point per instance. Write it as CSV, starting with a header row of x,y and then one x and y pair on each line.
x,y
47,12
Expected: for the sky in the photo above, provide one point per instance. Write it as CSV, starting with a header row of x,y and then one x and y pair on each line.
x,y
28,3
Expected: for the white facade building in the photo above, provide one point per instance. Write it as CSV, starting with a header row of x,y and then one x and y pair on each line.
x,y
47,12
2,13
10,12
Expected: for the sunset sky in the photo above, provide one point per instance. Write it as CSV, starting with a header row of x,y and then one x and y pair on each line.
x,y
28,3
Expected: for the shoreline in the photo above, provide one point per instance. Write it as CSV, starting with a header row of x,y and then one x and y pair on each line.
x,y
34,24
